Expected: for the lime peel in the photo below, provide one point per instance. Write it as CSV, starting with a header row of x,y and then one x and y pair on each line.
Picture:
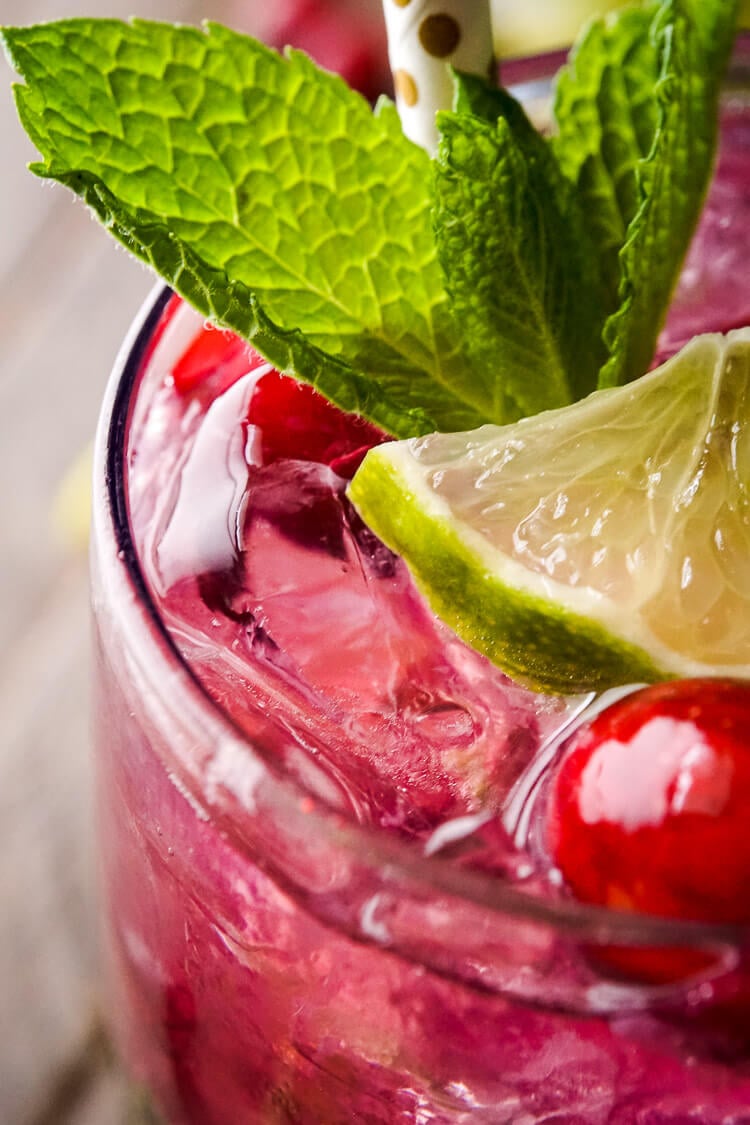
x,y
517,625
539,629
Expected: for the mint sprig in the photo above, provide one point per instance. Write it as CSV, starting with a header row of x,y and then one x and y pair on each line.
x,y
561,256
607,117
511,276
522,276
637,116
673,184
234,171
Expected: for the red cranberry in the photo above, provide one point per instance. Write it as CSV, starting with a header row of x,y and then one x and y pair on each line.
x,y
298,423
649,811
214,360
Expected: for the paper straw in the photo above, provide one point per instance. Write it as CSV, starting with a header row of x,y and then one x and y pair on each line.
x,y
425,39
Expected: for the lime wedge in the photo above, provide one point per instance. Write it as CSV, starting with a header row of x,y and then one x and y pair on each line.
x,y
602,543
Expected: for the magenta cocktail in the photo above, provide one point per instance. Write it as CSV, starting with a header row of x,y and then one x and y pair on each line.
x,y
328,898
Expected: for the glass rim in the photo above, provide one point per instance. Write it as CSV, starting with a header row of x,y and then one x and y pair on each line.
x,y
374,847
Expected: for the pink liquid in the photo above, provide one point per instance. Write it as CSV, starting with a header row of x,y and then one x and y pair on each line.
x,y
262,975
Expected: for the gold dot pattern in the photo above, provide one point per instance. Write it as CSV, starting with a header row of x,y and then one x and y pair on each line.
x,y
439,35
426,38
406,87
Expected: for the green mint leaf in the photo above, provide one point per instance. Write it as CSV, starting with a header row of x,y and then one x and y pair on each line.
x,y
232,169
636,112
232,304
269,195
522,279
606,116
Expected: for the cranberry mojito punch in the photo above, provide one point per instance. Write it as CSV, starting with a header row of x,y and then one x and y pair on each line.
x,y
421,567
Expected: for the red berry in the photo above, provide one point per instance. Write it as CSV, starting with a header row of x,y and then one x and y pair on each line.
x,y
213,361
298,423
295,421
649,811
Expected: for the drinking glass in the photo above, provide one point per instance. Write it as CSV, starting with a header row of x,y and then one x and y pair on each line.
x,y
274,959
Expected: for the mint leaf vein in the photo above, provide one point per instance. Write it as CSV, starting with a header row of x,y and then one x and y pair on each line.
x,y
275,176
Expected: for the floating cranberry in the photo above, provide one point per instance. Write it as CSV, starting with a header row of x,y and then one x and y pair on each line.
x,y
214,360
649,812
295,421
298,423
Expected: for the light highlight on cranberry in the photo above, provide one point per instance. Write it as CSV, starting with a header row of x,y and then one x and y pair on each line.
x,y
649,810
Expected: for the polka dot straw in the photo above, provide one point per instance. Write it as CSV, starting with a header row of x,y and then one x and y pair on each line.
x,y
426,38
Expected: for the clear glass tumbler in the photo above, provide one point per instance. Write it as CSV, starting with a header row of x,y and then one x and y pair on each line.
x,y
273,960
